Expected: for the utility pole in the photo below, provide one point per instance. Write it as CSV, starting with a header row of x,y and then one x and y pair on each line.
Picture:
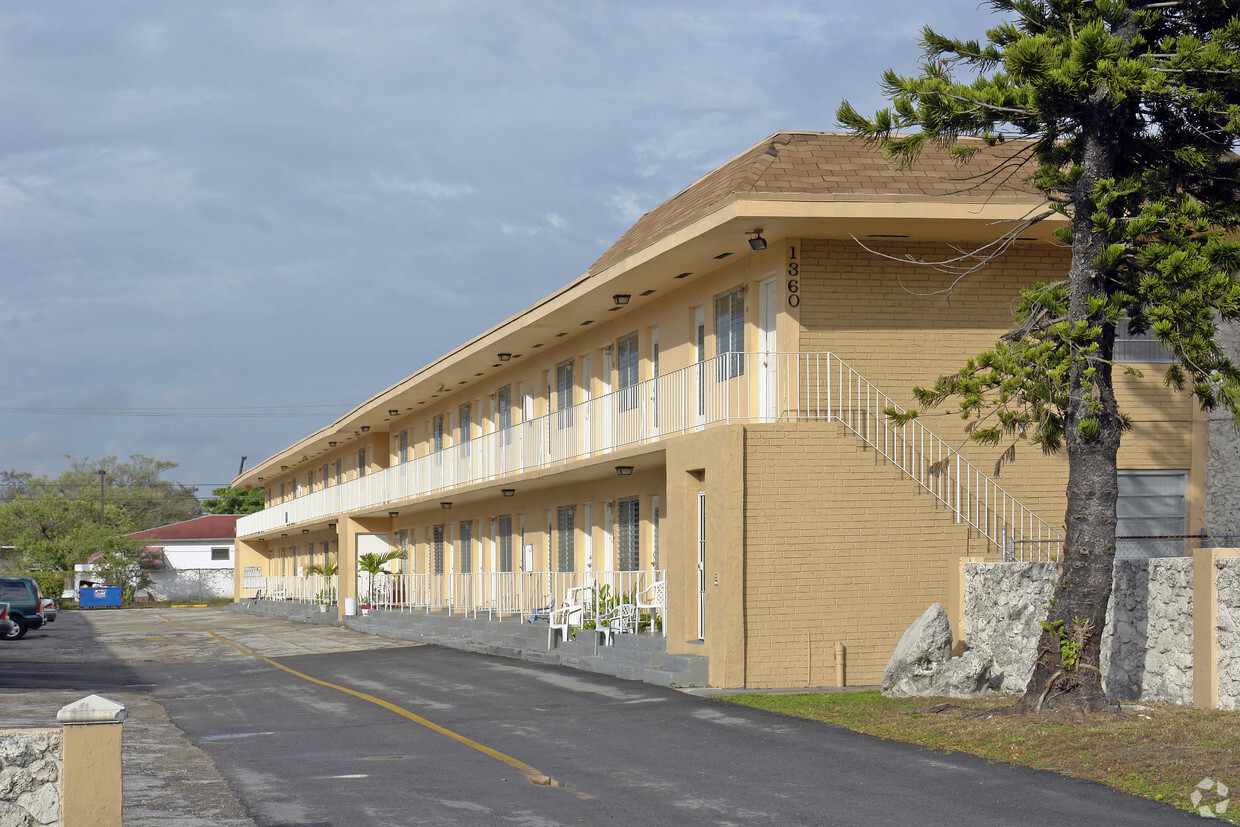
x,y
102,473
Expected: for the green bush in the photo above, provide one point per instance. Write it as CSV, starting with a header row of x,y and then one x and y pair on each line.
x,y
51,583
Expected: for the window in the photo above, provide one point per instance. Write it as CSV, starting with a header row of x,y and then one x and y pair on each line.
x,y
467,550
325,475
402,446
626,370
310,482
1153,511
564,393
466,420
504,540
730,333
503,400
699,352
281,492
628,537
566,519
402,545
361,462
437,434
1145,348
339,470
221,554
437,549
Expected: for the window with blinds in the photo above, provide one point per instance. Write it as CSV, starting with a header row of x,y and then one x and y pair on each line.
x,y
626,369
565,546
1153,514
730,333
503,401
504,541
467,546
437,549
628,534
564,393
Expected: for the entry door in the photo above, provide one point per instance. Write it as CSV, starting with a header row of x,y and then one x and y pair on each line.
x,y
768,312
587,433
606,439
701,565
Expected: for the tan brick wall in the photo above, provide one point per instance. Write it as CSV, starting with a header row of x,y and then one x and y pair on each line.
x,y
839,548
902,325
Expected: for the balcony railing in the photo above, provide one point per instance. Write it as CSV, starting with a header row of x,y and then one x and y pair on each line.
x,y
733,387
491,594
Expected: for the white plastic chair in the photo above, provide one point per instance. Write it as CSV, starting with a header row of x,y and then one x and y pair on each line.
x,y
569,614
654,597
623,619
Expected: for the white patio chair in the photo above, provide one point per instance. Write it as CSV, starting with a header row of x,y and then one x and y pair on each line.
x,y
654,597
568,615
622,620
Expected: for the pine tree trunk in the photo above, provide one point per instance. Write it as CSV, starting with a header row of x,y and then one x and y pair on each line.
x,y
1067,670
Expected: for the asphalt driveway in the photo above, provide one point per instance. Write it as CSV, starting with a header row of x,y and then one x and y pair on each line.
x,y
271,722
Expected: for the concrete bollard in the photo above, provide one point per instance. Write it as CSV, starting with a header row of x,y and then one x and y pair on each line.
x,y
91,781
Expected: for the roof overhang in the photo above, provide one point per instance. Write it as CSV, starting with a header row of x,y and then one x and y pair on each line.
x,y
695,247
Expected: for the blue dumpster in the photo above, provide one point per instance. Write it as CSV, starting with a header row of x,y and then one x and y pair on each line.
x,y
95,597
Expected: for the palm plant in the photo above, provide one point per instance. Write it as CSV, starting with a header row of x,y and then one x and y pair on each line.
x,y
372,562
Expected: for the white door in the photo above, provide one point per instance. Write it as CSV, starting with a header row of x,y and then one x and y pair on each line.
x,y
606,440
768,312
587,526
609,539
701,566
654,381
587,439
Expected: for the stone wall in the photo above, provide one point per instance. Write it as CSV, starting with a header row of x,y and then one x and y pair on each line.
x,y
1223,459
1229,633
29,777
1004,604
1147,648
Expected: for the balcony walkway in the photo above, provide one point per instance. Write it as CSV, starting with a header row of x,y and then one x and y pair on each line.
x,y
734,387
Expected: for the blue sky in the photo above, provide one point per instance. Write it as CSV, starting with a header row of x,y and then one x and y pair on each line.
x,y
224,223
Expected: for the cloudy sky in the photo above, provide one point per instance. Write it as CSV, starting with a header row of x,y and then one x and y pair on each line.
x,y
222,224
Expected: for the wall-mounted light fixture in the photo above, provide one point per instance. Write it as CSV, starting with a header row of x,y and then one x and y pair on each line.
x,y
283,467
621,299
508,492
393,514
504,357
445,505
624,470
283,535
757,242
332,526
394,412
305,531
331,445
365,429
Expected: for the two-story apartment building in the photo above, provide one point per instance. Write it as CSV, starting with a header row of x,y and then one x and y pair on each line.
x,y
706,406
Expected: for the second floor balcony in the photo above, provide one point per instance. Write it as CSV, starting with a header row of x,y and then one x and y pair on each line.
x,y
732,387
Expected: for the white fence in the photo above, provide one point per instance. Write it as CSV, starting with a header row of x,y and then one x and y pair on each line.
x,y
494,594
734,387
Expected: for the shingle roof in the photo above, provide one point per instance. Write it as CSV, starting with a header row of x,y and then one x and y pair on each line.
x,y
827,164
210,527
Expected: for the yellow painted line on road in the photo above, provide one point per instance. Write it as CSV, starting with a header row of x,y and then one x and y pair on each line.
x,y
534,775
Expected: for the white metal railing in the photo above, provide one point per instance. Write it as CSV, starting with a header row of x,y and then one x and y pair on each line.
x,y
734,387
310,588
495,594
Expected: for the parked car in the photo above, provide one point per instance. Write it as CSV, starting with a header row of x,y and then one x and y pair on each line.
x,y
25,605
6,625
49,610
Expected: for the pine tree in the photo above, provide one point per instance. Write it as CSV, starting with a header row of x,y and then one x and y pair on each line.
x,y
1131,112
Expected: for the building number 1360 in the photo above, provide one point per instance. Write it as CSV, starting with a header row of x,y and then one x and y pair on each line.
x,y
794,278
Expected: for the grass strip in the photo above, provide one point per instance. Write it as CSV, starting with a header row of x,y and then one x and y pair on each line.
x,y
1157,751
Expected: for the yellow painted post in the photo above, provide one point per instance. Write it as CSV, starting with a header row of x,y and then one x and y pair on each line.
x,y
1205,625
91,755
